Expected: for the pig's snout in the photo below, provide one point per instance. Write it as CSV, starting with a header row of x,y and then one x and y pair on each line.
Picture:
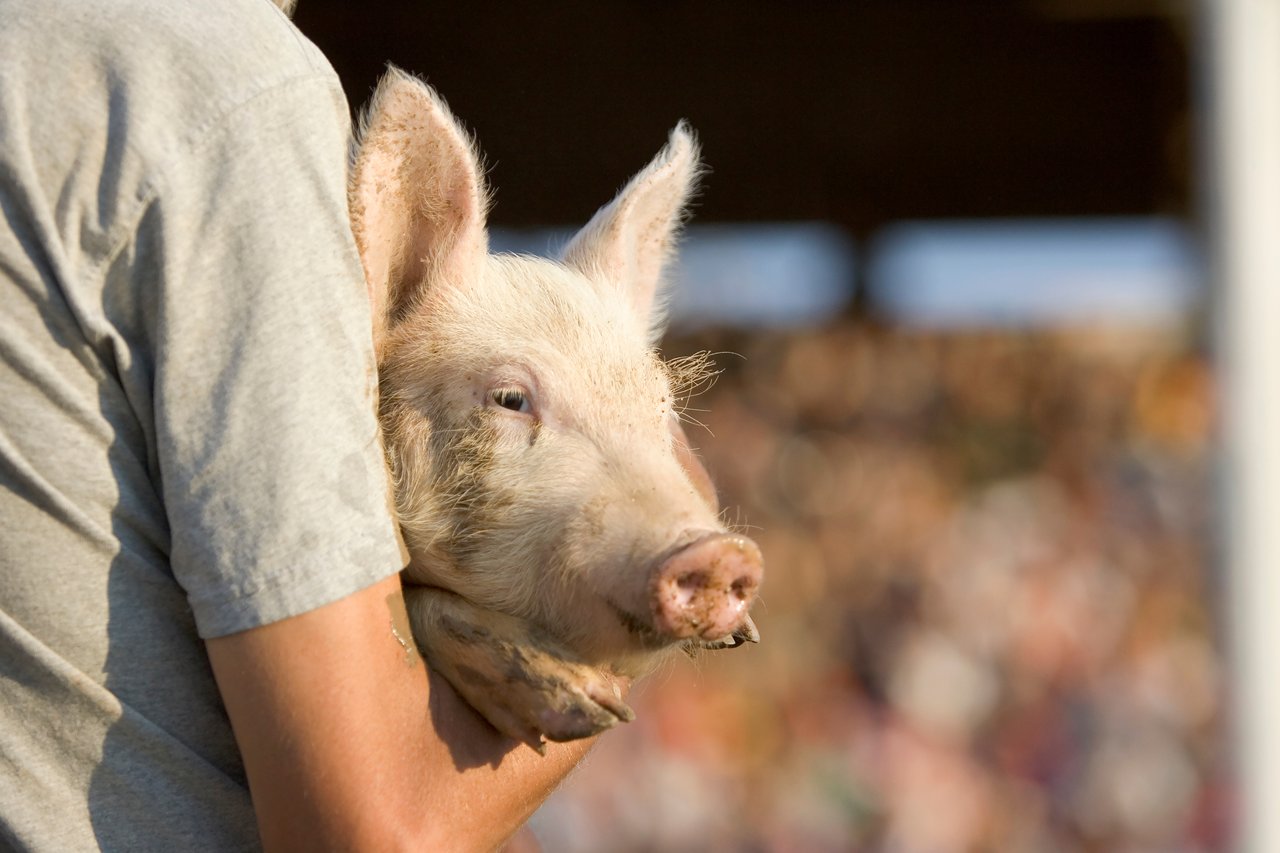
x,y
705,589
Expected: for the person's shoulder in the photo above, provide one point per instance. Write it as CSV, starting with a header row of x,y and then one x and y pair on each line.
x,y
191,60
227,51
154,95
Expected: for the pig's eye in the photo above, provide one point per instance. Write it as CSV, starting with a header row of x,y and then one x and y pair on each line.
x,y
510,398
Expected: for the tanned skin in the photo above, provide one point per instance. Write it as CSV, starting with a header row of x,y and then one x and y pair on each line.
x,y
350,744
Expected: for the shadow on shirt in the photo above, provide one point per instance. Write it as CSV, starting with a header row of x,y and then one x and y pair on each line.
x,y
170,777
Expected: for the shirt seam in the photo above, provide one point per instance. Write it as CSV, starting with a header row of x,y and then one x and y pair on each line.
x,y
217,611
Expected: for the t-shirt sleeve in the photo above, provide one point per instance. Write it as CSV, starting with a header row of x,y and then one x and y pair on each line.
x,y
267,444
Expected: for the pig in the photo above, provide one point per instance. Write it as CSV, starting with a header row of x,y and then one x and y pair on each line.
x,y
560,531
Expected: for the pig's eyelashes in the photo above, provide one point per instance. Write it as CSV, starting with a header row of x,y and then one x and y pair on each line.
x,y
514,399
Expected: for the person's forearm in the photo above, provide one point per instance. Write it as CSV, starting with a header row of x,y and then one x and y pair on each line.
x,y
348,744
498,783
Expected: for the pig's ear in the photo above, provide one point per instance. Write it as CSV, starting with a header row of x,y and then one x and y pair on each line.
x,y
629,241
416,195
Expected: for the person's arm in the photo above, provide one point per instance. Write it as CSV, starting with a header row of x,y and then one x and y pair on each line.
x,y
350,745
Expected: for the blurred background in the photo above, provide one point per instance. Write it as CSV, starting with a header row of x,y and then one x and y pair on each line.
x,y
949,257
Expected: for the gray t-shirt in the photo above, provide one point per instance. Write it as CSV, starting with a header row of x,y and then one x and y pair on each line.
x,y
188,443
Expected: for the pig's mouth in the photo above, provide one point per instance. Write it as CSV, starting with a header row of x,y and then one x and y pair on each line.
x,y
746,633
650,638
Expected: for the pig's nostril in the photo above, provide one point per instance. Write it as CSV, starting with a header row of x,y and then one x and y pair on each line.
x,y
740,588
689,584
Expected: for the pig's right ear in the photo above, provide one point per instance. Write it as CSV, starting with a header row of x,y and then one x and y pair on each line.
x,y
416,196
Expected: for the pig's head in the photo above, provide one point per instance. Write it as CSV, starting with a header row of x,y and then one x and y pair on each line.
x,y
532,428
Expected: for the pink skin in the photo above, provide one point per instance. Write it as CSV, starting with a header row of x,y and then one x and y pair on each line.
x,y
705,589
579,481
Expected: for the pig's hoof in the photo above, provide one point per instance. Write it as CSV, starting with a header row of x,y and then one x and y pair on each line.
x,y
564,700
516,676
543,696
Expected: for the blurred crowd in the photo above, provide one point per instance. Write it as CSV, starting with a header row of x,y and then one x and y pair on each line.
x,y
988,618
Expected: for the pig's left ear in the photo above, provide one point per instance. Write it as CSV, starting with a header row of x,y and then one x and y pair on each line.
x,y
629,241
417,199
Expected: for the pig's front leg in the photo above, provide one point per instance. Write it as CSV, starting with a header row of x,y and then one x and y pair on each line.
x,y
519,679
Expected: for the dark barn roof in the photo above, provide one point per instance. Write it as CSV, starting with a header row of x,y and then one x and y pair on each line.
x,y
853,112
